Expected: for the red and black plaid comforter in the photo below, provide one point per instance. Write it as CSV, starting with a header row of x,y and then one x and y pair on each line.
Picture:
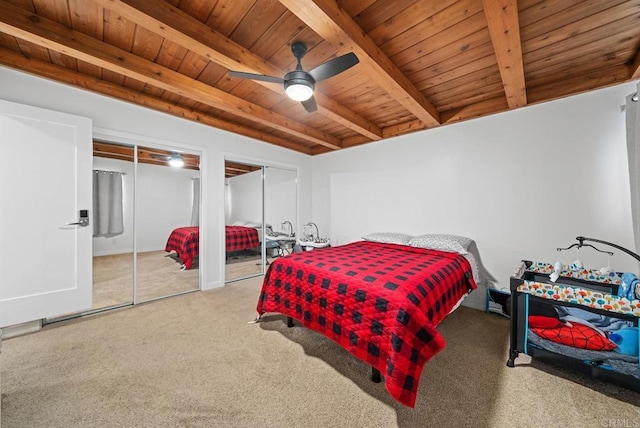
x,y
185,241
238,238
381,302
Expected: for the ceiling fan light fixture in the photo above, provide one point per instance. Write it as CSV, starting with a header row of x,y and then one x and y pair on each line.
x,y
299,90
176,161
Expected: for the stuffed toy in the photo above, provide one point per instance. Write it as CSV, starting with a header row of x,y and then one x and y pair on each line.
x,y
626,340
629,286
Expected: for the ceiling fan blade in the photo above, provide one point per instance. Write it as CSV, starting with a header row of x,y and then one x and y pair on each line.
x,y
252,76
310,105
334,66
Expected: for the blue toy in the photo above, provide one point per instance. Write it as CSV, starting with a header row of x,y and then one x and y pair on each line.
x,y
627,341
628,286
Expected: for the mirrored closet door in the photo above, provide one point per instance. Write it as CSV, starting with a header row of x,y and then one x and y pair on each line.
x,y
243,247
280,213
260,201
112,220
143,198
167,223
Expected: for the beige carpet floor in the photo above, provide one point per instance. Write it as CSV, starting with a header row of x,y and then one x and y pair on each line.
x,y
242,264
159,275
194,361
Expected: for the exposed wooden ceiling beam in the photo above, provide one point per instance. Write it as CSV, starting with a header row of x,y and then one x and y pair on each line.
x,y
233,168
161,157
334,25
102,147
45,69
597,79
236,166
403,128
502,17
635,68
49,34
479,109
145,155
173,24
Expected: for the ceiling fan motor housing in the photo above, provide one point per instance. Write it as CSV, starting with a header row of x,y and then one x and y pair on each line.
x,y
298,77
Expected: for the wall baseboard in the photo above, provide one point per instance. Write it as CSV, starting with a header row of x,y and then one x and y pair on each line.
x,y
117,252
20,329
110,253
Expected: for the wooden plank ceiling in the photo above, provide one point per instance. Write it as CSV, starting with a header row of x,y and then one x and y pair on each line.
x,y
422,63
147,155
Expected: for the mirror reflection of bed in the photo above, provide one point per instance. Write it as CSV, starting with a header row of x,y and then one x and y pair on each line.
x,y
243,249
243,220
166,199
244,202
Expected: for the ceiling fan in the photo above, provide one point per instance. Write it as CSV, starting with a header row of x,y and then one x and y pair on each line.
x,y
299,84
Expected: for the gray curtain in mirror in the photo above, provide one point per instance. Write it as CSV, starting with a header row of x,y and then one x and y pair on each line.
x,y
195,209
107,203
633,150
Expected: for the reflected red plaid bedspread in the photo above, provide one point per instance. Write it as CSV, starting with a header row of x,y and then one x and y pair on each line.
x,y
185,241
238,238
381,302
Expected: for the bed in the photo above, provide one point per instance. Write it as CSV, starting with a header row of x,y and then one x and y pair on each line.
x,y
380,301
238,238
185,241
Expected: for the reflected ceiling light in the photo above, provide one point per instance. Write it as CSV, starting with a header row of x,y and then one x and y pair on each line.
x,y
176,160
298,89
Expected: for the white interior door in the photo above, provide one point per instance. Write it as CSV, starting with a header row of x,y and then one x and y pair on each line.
x,y
45,182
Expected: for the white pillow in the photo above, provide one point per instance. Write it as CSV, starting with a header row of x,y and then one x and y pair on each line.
x,y
388,238
247,223
451,243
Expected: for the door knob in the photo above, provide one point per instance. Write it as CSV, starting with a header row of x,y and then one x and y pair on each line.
x,y
83,221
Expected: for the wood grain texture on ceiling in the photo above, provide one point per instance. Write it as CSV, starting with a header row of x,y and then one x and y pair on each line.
x,y
148,155
233,169
422,63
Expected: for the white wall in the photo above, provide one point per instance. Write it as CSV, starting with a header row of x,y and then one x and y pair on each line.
x,y
520,183
245,197
124,122
244,200
280,198
164,201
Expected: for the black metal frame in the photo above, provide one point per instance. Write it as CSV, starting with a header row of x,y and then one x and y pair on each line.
x,y
581,244
581,240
